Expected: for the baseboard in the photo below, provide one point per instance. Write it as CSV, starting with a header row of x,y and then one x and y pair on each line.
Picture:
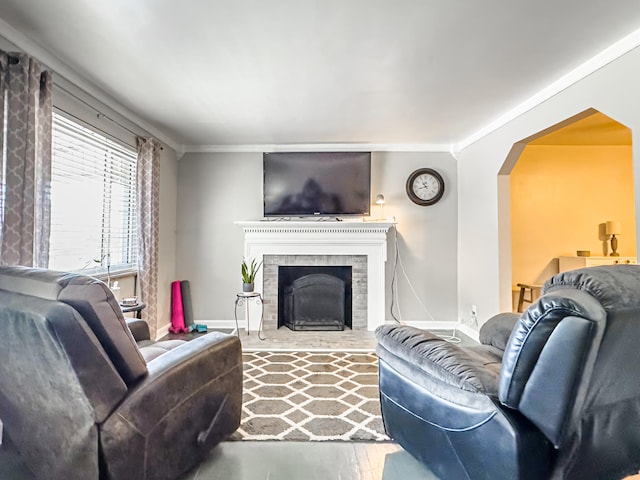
x,y
210,324
425,325
462,328
469,331
213,324
162,331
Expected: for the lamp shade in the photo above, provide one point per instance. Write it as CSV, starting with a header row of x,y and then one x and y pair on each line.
x,y
613,228
380,199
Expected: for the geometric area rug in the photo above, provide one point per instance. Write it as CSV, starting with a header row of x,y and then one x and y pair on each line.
x,y
310,396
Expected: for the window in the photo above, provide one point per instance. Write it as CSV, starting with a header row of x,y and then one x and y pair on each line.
x,y
93,200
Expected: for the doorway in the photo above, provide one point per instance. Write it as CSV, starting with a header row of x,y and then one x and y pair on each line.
x,y
558,189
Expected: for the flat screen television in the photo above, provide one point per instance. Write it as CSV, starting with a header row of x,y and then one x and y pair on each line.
x,y
300,184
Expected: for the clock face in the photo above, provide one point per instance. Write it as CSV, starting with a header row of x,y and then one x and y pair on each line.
x,y
425,186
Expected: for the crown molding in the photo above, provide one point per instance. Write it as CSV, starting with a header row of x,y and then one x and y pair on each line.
x,y
319,147
606,56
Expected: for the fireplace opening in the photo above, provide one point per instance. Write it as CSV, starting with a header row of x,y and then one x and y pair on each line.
x,y
315,297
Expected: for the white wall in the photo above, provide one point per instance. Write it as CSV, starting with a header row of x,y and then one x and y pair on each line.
x,y
482,279
216,189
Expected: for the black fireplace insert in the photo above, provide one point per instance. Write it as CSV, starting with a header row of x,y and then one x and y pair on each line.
x,y
314,297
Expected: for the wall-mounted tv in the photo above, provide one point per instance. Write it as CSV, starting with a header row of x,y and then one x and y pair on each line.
x,y
299,184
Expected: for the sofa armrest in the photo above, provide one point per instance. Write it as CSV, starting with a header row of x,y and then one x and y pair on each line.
x,y
139,329
190,400
497,330
418,353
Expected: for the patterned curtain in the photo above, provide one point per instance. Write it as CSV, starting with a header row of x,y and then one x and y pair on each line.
x,y
25,173
148,193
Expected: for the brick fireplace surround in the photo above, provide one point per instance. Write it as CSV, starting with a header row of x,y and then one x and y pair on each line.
x,y
361,245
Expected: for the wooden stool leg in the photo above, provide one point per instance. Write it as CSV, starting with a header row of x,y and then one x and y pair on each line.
x,y
534,291
520,299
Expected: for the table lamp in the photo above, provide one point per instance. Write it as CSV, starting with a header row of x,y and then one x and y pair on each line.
x,y
380,201
613,229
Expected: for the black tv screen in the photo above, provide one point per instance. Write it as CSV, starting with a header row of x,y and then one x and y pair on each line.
x,y
300,184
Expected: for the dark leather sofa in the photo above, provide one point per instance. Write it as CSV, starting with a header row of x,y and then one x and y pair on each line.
x,y
553,393
81,399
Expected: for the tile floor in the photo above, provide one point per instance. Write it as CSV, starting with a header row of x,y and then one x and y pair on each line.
x,y
283,461
309,461
348,340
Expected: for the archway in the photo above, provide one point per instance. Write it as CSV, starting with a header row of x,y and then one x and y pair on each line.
x,y
557,189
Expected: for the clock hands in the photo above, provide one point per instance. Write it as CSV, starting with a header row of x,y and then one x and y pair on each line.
x,y
425,186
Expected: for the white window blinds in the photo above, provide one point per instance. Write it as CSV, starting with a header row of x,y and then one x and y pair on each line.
x,y
93,200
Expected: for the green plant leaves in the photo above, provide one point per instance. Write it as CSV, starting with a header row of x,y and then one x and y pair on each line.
x,y
250,270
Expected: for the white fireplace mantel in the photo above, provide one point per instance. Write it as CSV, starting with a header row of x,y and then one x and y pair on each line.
x,y
324,238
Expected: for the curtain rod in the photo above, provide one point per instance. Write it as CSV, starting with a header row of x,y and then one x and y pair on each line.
x,y
99,114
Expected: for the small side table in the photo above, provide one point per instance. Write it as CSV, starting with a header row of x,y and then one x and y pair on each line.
x,y
243,298
136,309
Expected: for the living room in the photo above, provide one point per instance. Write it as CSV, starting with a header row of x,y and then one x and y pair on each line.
x,y
456,254
465,220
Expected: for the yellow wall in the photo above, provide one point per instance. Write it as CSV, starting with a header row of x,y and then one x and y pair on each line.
x,y
559,197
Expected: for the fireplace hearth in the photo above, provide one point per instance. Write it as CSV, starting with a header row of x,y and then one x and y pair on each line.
x,y
314,297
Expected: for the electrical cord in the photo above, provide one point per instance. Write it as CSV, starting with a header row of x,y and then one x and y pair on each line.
x,y
394,283
453,338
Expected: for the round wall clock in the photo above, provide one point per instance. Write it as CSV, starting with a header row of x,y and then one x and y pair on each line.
x,y
425,186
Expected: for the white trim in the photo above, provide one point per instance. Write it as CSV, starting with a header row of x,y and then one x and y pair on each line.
x,y
162,331
440,325
210,324
222,323
606,56
322,238
319,147
469,331
428,325
60,68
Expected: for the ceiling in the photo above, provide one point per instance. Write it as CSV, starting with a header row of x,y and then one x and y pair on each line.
x,y
285,72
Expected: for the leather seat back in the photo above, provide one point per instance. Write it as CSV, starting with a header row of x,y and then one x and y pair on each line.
x,y
549,359
556,359
56,384
95,303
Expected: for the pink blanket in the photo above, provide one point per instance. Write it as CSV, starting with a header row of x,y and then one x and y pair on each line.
x,y
177,310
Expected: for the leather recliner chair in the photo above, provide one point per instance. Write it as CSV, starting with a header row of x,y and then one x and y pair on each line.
x,y
553,393
81,400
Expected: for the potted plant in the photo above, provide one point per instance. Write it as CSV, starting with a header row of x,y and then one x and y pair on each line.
x,y
249,271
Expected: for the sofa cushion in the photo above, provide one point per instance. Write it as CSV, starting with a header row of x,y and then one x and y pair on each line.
x,y
428,356
151,350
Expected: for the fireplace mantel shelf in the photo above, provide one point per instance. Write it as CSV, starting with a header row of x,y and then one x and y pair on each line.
x,y
325,238
314,226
